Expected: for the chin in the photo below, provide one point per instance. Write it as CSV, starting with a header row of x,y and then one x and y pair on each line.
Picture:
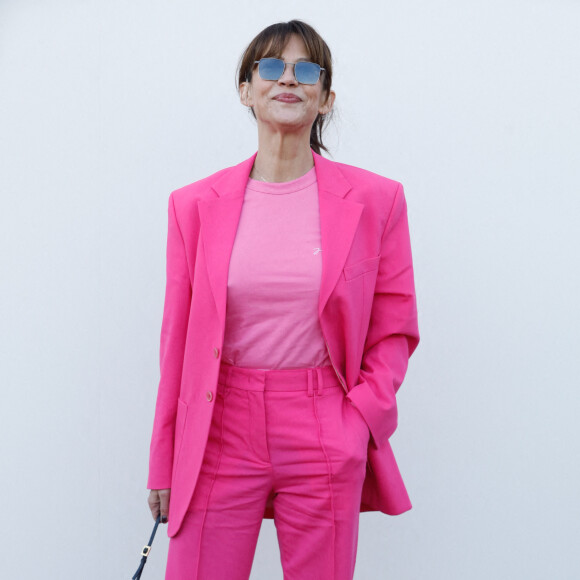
x,y
291,120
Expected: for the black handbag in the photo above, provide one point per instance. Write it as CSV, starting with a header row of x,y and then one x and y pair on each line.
x,y
146,550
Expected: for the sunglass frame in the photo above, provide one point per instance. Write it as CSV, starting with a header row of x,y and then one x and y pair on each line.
x,y
296,75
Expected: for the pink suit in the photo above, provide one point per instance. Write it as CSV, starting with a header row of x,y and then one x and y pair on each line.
x,y
367,313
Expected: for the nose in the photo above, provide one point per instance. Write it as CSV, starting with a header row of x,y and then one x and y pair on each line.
x,y
288,77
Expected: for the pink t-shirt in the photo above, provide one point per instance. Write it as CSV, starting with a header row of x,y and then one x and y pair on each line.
x,y
274,278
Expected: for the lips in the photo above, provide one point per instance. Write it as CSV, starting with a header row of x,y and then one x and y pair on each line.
x,y
287,98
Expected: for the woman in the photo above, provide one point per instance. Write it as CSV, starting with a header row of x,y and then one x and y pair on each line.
x,y
289,319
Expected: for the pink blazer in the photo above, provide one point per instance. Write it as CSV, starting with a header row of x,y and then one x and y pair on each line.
x,y
367,312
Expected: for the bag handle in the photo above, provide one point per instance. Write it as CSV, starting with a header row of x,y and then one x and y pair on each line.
x,y
146,550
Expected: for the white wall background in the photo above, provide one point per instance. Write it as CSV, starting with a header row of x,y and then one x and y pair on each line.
x,y
107,106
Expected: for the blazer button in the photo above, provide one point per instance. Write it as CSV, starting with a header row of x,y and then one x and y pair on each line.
x,y
216,352
209,395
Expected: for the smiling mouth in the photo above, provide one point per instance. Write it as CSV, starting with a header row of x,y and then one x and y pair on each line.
x,y
287,98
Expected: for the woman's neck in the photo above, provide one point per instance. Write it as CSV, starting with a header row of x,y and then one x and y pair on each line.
x,y
282,157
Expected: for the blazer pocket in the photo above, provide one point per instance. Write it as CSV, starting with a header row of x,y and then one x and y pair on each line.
x,y
359,268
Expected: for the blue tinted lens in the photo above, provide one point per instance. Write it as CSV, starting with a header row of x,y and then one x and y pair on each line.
x,y
307,73
271,69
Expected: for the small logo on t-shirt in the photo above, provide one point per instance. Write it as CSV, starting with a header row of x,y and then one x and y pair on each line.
x,y
317,251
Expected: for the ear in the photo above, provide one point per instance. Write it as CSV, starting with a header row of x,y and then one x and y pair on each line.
x,y
246,94
326,106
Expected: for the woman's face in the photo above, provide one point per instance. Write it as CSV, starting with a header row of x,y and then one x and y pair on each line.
x,y
285,105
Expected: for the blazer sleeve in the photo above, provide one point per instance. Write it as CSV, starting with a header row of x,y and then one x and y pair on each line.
x,y
393,332
172,348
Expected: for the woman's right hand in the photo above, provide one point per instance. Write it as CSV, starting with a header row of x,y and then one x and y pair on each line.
x,y
159,503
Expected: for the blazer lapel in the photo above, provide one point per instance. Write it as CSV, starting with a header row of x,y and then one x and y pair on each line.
x,y
219,218
339,219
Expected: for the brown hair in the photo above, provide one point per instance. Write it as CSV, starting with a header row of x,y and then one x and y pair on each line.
x,y
271,42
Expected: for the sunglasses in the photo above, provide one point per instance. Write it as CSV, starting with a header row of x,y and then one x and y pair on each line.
x,y
272,69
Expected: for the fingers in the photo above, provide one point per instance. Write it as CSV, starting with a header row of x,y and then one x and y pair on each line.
x,y
153,501
159,503
164,504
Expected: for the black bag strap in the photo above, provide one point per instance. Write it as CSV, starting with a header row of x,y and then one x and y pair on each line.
x,y
146,550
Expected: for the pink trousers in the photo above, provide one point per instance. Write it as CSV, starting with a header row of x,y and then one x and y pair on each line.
x,y
293,437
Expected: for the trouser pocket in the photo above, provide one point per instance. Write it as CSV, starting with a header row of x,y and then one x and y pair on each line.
x,y
344,433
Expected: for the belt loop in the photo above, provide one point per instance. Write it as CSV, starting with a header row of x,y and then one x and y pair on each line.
x,y
310,388
319,380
